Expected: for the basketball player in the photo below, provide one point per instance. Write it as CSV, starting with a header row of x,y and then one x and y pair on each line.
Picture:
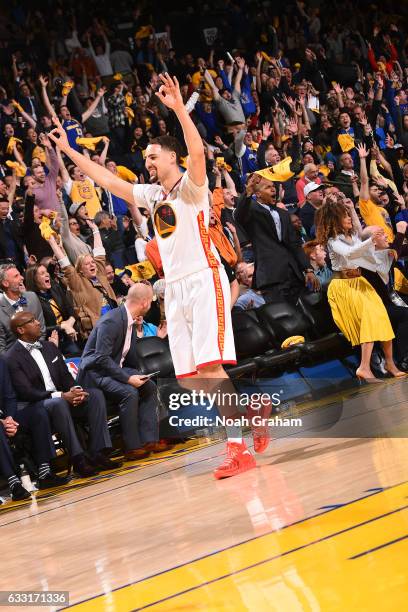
x,y
197,299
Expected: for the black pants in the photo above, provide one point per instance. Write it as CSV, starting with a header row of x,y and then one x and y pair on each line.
x,y
399,321
61,414
137,409
32,419
288,290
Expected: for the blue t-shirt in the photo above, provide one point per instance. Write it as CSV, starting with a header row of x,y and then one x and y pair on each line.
x,y
402,216
73,130
149,329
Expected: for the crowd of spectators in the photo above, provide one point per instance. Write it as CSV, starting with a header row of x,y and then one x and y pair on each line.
x,y
301,106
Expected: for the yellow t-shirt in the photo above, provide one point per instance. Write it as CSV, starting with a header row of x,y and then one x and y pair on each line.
x,y
376,215
84,191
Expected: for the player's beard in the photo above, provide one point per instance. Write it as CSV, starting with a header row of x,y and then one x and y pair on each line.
x,y
153,176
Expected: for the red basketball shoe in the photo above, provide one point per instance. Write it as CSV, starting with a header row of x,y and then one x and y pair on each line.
x,y
237,461
260,431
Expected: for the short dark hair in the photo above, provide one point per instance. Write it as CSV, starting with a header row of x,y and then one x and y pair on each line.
x,y
100,215
170,144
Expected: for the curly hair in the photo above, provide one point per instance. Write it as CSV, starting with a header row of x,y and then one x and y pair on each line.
x,y
329,219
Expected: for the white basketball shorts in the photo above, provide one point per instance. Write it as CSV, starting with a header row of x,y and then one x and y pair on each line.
x,y
199,324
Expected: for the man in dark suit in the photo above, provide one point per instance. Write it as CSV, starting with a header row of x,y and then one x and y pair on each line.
x,y
33,420
13,299
39,374
104,360
281,268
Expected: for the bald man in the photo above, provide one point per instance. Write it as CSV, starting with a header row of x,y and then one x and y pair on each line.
x,y
104,364
39,375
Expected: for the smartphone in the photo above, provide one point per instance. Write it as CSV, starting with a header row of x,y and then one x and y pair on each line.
x,y
151,374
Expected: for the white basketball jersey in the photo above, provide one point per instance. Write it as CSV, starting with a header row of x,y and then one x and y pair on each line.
x,y
181,226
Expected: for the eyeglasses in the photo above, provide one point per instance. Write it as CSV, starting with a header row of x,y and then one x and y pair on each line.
x,y
27,322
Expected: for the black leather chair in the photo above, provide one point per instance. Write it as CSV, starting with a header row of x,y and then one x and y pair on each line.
x,y
315,307
253,344
282,320
152,354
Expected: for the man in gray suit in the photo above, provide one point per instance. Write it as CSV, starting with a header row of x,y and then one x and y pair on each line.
x,y
13,299
103,365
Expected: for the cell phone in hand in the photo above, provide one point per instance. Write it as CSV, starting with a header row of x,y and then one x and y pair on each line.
x,y
150,375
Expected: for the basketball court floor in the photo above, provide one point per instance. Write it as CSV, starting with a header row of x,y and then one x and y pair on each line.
x,y
321,524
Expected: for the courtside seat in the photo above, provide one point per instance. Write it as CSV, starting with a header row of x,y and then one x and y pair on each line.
x,y
246,367
282,320
316,308
253,342
152,354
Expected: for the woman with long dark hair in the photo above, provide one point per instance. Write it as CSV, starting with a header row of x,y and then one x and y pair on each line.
x,y
56,306
356,307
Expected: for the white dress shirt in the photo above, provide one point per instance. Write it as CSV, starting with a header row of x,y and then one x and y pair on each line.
x,y
45,373
128,339
276,219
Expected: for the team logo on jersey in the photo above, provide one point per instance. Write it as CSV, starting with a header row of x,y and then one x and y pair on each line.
x,y
165,220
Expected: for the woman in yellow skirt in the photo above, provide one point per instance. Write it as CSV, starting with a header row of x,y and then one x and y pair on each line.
x,y
356,307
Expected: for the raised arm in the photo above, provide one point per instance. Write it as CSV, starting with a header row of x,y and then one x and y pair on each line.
x,y
101,92
237,81
104,153
32,123
100,175
169,94
64,172
214,88
44,96
364,190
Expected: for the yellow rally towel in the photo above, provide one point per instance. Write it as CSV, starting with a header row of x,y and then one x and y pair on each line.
x,y
40,153
117,76
346,142
130,114
19,168
88,143
400,282
17,106
126,174
45,227
66,88
220,163
140,271
267,57
292,340
279,172
143,32
128,98
10,145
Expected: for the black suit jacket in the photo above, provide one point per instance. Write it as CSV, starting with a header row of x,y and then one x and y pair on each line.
x,y
272,257
26,375
8,402
103,350
16,236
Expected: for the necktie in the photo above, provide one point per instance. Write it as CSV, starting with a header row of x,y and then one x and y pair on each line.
x,y
22,301
33,346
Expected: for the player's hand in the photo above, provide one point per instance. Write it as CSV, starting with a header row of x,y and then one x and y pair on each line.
x,y
169,93
58,135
